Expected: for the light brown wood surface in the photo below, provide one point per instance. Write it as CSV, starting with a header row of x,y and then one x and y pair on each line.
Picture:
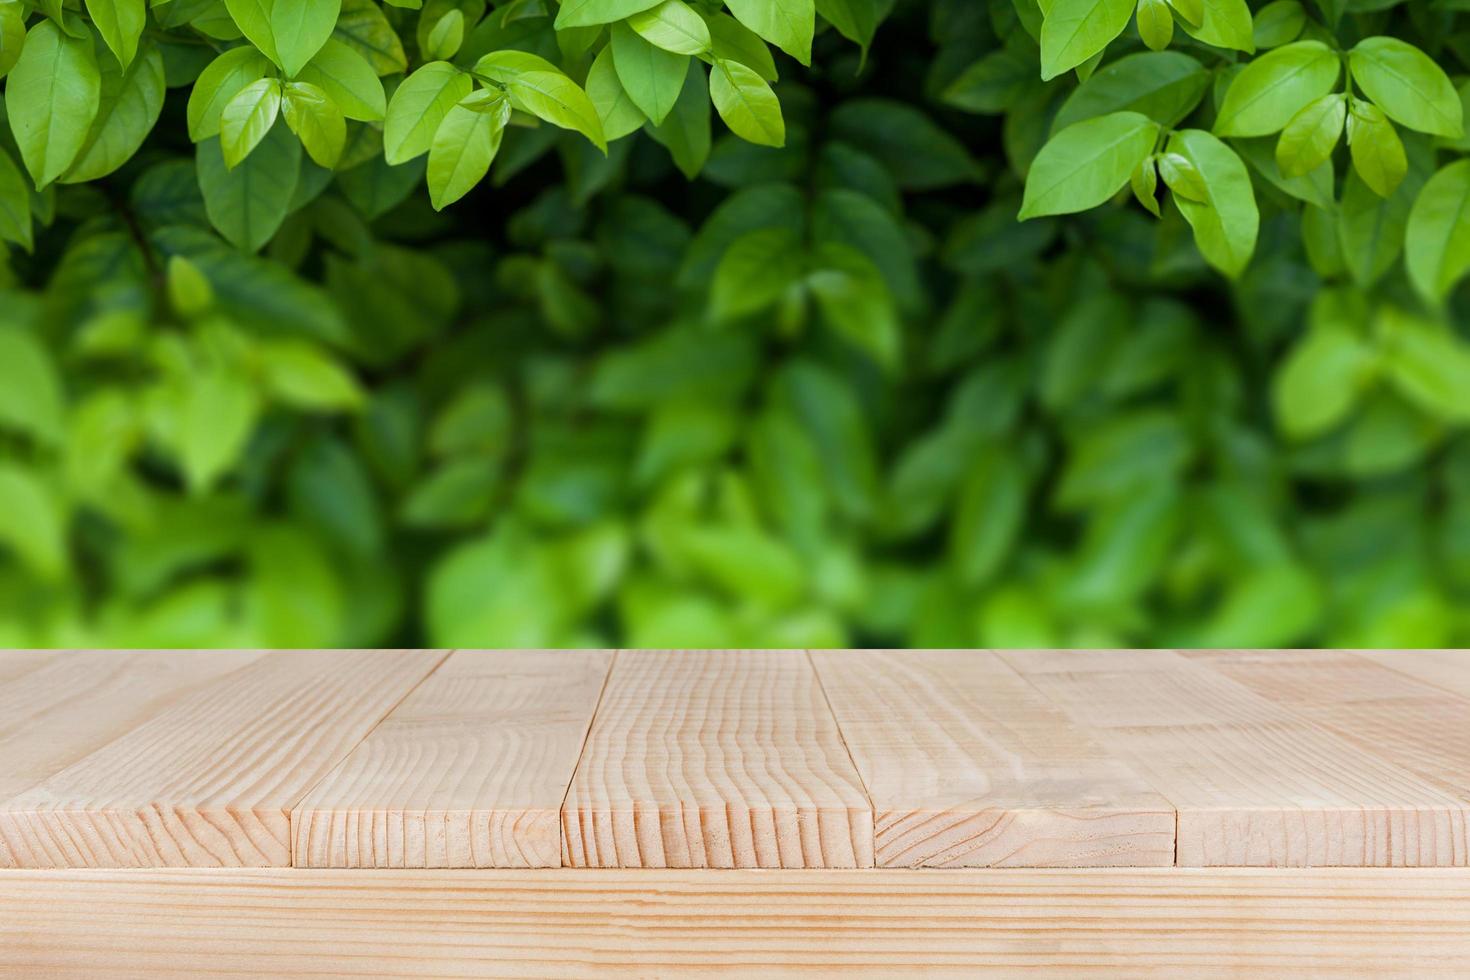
x,y
211,778
468,772
14,663
968,765
1448,669
1182,923
733,759
1384,713
718,759
1254,782
68,705
140,762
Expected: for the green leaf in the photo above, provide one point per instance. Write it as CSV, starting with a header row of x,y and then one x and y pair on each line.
x,y
363,28
1388,435
745,562
1224,23
1155,24
1126,543
1370,228
588,13
994,83
1181,177
733,41
1437,241
295,595
120,22
651,76
856,20
1163,85
747,104
32,525
12,35
348,78
1428,364
686,133
1317,187
1312,134
918,153
1278,23
446,37
756,271
418,108
788,24
288,32
1225,225
129,107
189,291
1377,152
673,26
1321,380
15,204
303,376
1075,30
1275,606
1407,85
1145,184
989,516
552,96
52,94
247,118
1087,163
494,591
1274,87
220,82
616,110
465,145
827,409
30,390
317,122
248,204
217,412
855,302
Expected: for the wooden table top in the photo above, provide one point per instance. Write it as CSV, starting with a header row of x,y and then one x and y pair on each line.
x,y
741,759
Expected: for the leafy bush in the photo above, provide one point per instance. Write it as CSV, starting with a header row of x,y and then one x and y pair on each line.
x,y
674,322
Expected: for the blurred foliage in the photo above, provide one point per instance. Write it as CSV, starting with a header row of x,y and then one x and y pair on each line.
x,y
826,393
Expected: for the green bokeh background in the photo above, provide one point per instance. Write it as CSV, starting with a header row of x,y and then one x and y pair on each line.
x,y
517,423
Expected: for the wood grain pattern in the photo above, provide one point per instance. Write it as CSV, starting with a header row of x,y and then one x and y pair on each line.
x,y
961,923
1255,783
720,759
968,765
15,663
210,780
468,772
1384,713
1448,669
71,704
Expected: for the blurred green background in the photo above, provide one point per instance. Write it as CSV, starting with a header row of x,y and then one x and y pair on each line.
x,y
560,413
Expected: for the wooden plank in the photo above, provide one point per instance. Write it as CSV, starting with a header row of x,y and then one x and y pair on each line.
x,y
1381,711
468,772
1152,922
210,780
1255,783
71,704
15,663
1447,669
723,759
968,765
